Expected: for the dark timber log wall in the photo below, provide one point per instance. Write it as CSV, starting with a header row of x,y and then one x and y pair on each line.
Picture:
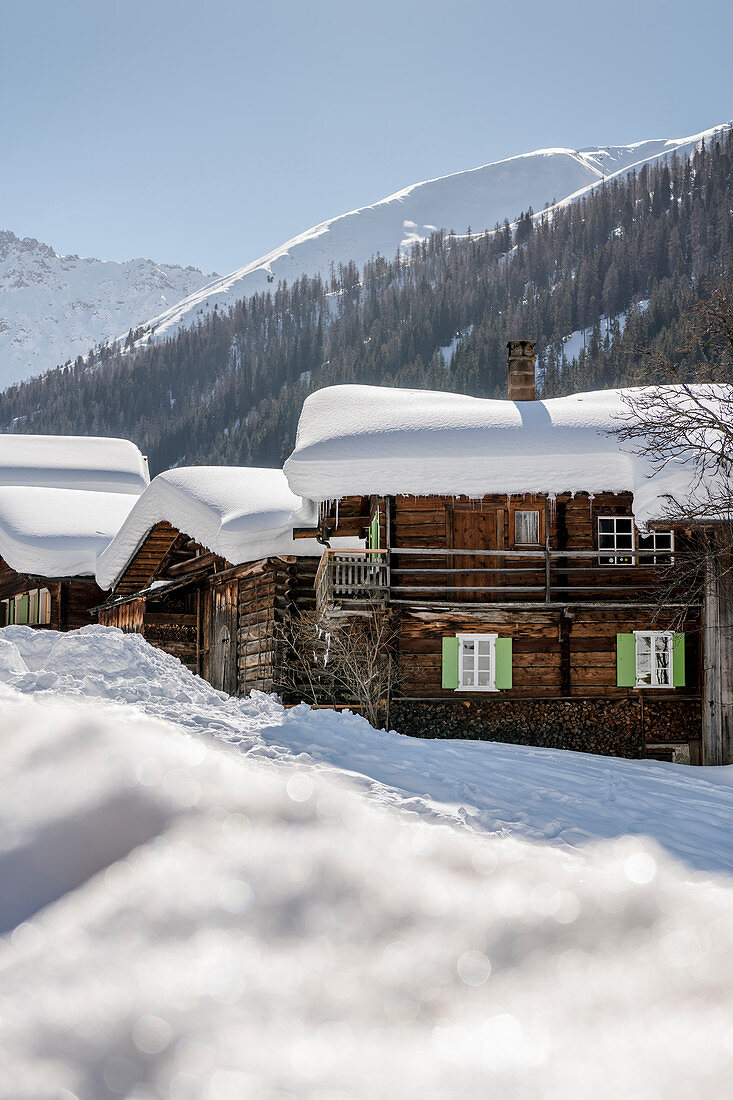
x,y
71,600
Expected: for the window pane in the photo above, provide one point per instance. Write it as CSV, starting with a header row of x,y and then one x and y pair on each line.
x,y
605,525
483,678
661,652
643,659
623,523
468,679
624,541
527,528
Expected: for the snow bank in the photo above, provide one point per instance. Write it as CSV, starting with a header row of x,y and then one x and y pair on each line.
x,y
369,439
58,532
540,795
72,462
240,513
186,921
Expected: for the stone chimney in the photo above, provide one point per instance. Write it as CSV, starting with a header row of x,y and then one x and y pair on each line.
x,y
520,361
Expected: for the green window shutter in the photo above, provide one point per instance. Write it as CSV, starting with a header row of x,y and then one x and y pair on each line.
x,y
21,603
678,661
450,663
373,538
503,663
626,660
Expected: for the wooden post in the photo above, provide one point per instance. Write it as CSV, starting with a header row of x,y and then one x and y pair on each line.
x,y
717,686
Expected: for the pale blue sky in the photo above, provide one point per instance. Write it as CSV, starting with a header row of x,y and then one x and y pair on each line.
x,y
207,133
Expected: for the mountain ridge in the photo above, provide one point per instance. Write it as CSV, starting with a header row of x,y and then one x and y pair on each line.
x,y
575,170
54,307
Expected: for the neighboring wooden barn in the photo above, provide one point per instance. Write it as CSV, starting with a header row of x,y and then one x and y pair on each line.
x,y
62,499
206,568
538,594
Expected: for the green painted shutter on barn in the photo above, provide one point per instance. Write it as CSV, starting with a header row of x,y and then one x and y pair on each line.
x,y
373,538
626,660
21,608
503,663
450,663
678,660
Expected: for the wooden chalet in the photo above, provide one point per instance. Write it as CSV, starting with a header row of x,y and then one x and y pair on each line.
x,y
520,549
206,568
62,499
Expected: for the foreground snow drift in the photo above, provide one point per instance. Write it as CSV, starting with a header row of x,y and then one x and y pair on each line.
x,y
538,794
221,926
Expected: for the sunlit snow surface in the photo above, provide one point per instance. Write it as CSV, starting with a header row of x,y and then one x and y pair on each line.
x,y
193,919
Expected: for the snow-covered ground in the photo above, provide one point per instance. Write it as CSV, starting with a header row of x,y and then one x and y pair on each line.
x,y
205,897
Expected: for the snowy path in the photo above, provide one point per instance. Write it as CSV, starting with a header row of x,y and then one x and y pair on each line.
x,y
536,794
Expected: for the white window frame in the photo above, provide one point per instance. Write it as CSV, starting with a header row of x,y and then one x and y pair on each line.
x,y
651,553
653,635
535,512
613,553
44,607
475,638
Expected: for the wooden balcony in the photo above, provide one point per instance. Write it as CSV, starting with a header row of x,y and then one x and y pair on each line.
x,y
409,575
353,577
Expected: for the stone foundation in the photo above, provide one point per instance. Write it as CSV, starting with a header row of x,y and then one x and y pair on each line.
x,y
628,726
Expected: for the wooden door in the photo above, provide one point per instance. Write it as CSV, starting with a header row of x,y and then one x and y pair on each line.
x,y
472,528
222,663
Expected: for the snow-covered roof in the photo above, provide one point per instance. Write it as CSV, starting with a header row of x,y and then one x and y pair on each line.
x,y
58,532
73,462
370,439
240,513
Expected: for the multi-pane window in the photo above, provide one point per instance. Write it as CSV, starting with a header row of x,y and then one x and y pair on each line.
x,y
653,658
33,608
615,540
526,527
476,662
659,544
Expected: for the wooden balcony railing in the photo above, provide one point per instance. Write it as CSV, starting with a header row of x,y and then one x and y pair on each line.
x,y
411,574
353,576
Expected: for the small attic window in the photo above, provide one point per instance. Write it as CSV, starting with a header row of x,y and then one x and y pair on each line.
x,y
526,527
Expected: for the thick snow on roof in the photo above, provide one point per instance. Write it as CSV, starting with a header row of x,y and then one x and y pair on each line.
x,y
58,532
240,513
369,439
73,462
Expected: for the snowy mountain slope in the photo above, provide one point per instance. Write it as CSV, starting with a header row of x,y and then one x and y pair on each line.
x,y
477,198
53,308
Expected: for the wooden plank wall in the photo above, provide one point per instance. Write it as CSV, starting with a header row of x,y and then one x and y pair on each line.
x,y
265,596
553,655
71,600
125,616
146,559
424,522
